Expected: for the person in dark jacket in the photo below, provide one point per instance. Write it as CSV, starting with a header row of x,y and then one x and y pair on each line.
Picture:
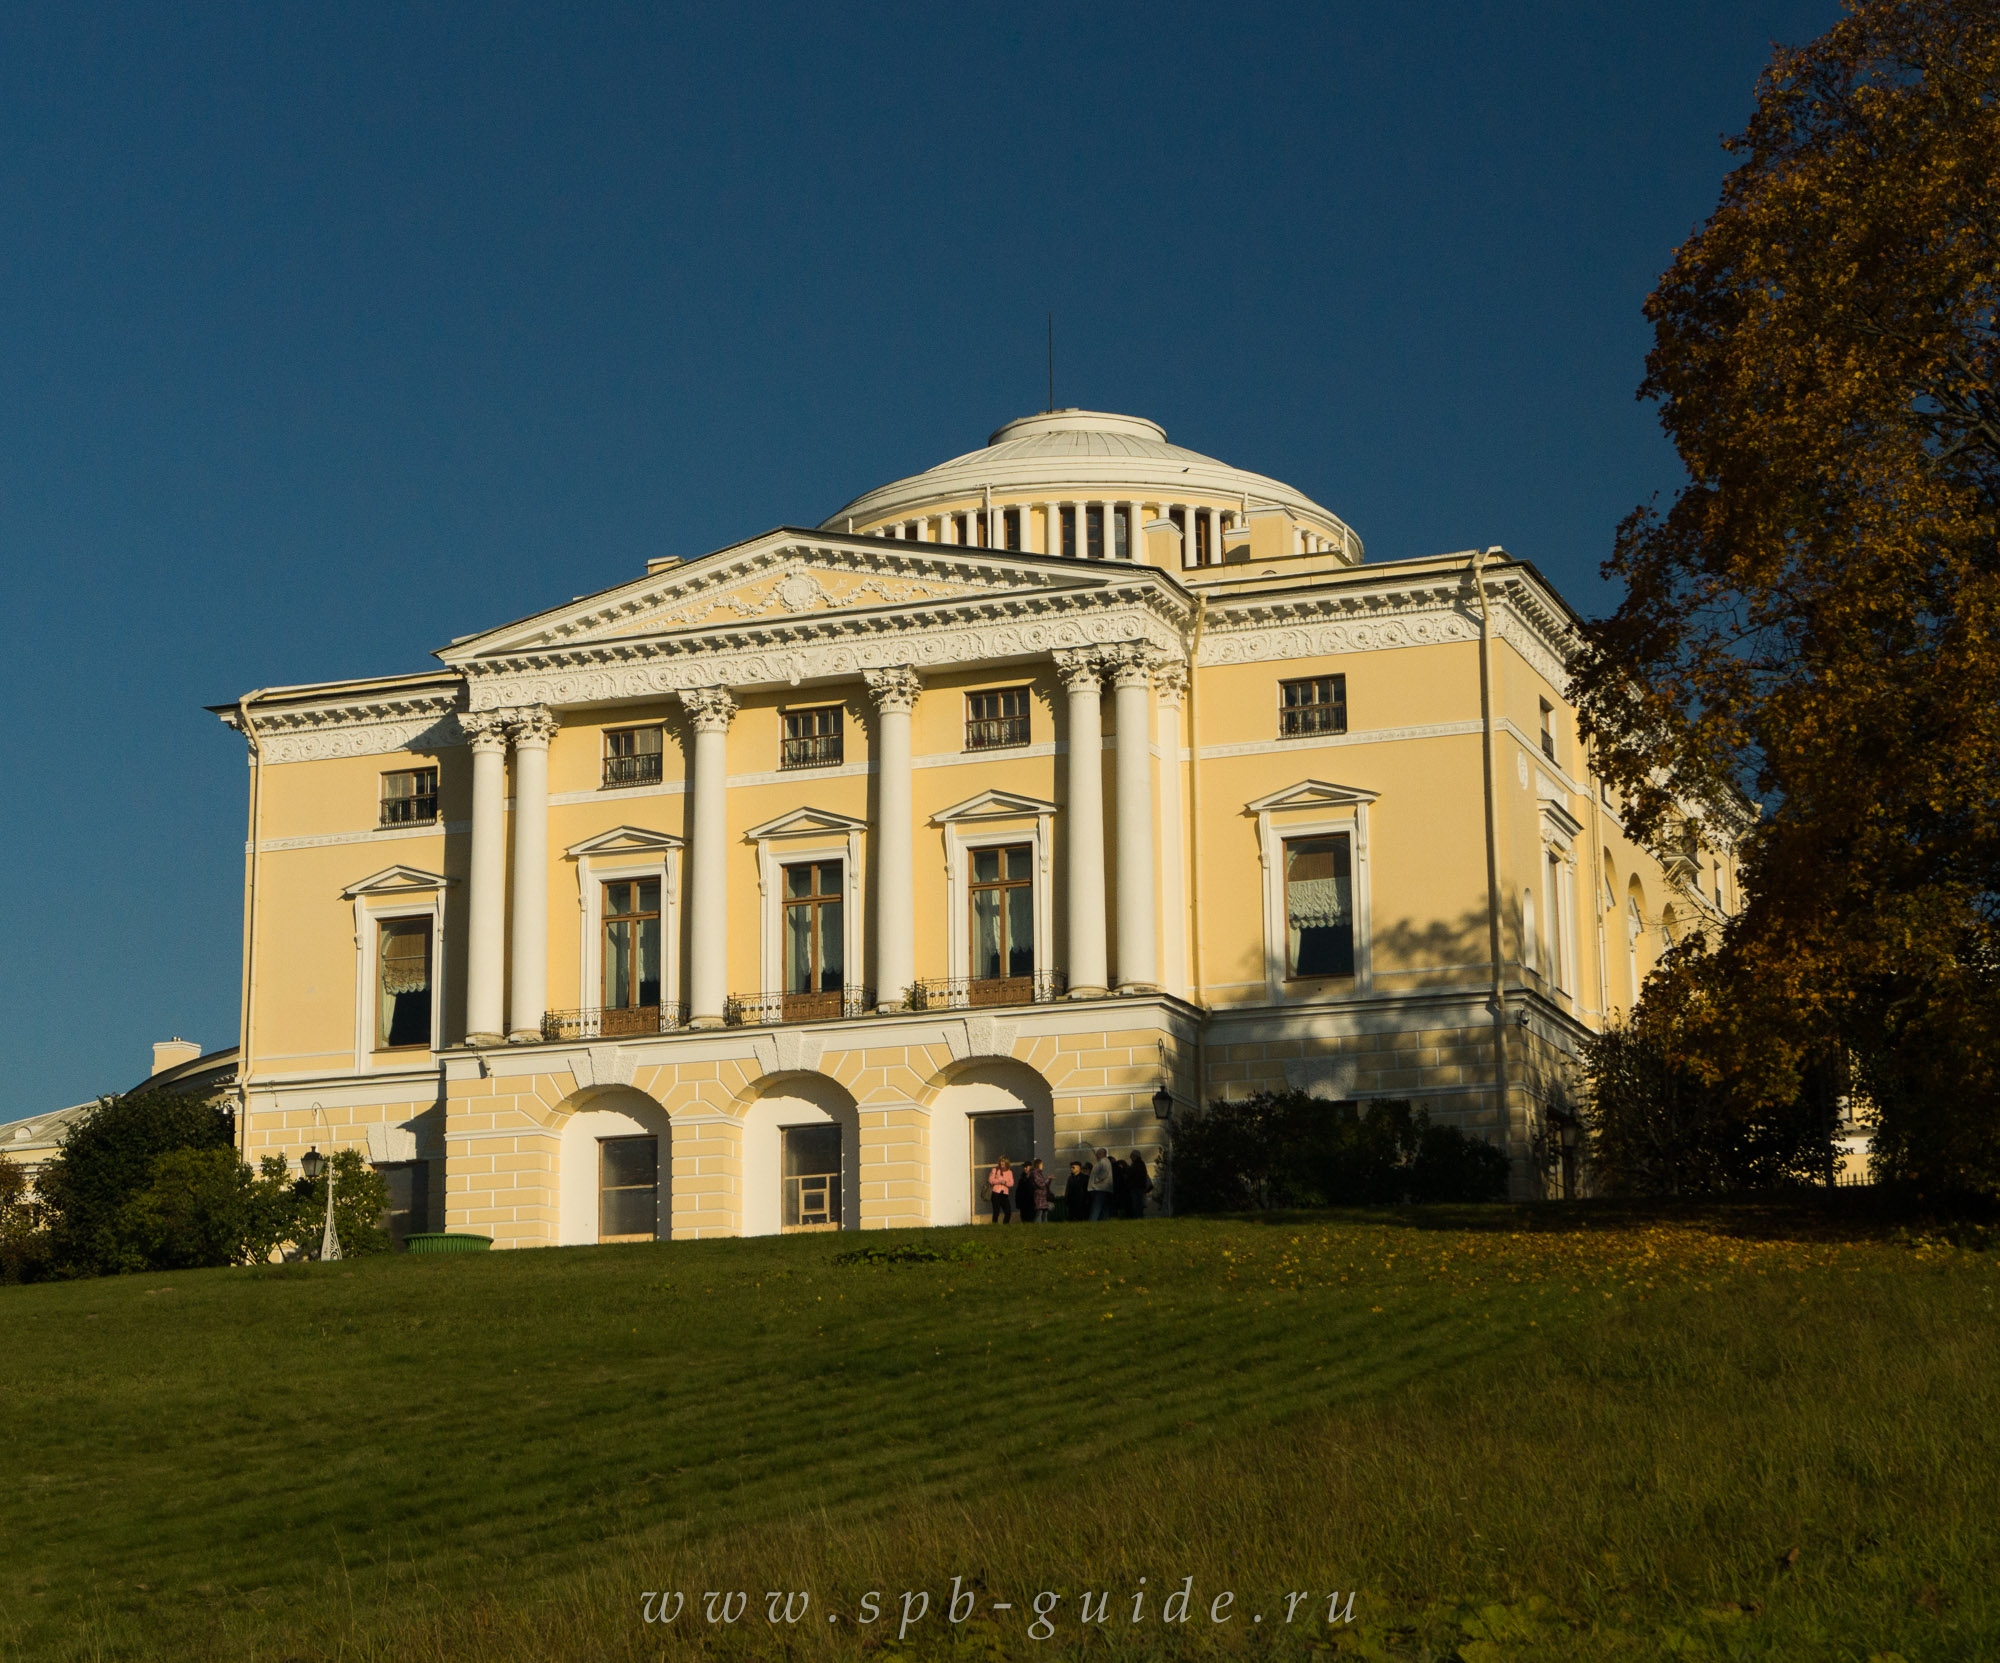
x,y
1076,1194
1138,1184
1034,1201
1121,1189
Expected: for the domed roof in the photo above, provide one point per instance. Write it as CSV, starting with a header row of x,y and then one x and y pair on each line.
x,y
1085,453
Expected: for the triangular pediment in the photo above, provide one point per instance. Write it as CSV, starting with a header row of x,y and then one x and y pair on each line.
x,y
785,578
624,840
396,880
1310,794
804,822
993,805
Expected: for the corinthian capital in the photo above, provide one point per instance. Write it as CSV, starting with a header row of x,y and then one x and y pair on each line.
x,y
1080,667
1131,663
531,725
894,689
1170,681
709,709
486,729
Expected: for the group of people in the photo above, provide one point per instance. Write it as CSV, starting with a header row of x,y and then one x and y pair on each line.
x,y
1106,1188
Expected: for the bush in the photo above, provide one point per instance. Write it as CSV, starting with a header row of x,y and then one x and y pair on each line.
x,y
106,1163
24,1236
1285,1149
197,1212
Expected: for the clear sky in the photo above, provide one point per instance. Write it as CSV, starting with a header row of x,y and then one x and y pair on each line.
x,y
328,333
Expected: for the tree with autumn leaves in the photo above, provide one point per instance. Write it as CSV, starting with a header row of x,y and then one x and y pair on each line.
x,y
1814,622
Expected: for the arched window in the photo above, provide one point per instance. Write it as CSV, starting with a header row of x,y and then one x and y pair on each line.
x,y
1529,957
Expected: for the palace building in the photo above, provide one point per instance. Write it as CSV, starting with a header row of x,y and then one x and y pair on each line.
x,y
787,886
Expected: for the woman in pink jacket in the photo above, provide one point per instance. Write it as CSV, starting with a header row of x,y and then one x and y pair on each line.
x,y
1000,1186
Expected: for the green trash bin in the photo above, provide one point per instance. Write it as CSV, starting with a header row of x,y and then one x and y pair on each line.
x,y
447,1241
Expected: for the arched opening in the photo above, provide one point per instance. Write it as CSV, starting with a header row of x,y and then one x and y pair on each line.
x,y
985,1110
1635,929
614,1182
801,1157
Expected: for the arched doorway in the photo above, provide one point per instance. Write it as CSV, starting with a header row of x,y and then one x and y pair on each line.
x,y
984,1110
614,1182
801,1157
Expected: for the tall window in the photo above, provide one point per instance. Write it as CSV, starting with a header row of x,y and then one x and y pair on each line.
x,y
1068,518
1315,705
1548,730
632,756
812,738
1203,554
1003,916
1558,966
408,1212
631,949
1011,519
1319,907
628,1189
403,994
994,1135
410,797
996,720
812,1177
813,939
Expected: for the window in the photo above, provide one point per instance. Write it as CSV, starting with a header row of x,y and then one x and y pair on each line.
x,y
812,738
403,993
1204,555
994,1135
996,720
631,955
1548,730
812,1178
1314,706
409,1210
1011,519
632,756
628,1189
1093,525
1121,545
1319,907
410,797
1003,923
812,939
1068,517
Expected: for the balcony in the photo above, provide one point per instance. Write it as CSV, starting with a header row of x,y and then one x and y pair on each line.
x,y
1306,720
409,811
764,1010
995,733
614,1022
642,769
971,992
818,750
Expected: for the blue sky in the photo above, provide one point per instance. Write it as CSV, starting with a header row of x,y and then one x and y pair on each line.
x,y
330,333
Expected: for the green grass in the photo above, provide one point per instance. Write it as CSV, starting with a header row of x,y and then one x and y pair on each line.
x,y
1511,1433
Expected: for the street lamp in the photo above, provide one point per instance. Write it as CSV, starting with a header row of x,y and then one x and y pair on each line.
x,y
1163,1111
312,1163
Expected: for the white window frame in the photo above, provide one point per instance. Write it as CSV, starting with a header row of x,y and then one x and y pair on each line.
x,y
994,819
1349,814
622,854
1557,880
396,892
796,839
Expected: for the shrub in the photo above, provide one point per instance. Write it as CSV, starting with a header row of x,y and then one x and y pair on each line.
x,y
197,1211
24,1235
1286,1149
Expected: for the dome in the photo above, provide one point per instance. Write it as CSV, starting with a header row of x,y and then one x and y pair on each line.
x,y
1088,454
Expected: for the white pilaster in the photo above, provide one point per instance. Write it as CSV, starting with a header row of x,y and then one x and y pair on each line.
x,y
1170,687
896,692
486,921
1078,667
709,711
1138,902
531,731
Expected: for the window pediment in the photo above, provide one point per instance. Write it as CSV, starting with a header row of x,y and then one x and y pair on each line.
x,y
397,880
1311,794
993,805
806,822
621,840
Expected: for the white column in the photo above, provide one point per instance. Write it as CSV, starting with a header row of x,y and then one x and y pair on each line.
x,y
531,733
1170,688
1135,533
1052,528
896,692
1138,927
1079,670
709,710
486,923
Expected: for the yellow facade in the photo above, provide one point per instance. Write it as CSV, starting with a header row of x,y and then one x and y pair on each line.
x,y
669,739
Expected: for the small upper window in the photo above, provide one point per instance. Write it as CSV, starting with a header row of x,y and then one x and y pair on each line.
x,y
812,738
1316,705
410,797
403,995
1548,730
995,720
633,756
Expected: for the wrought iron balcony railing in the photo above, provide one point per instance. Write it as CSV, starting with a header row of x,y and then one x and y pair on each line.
x,y
819,750
409,811
763,1010
1302,721
993,733
642,769
614,1022
968,992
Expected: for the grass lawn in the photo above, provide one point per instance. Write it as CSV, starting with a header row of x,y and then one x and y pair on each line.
x,y
1507,1433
